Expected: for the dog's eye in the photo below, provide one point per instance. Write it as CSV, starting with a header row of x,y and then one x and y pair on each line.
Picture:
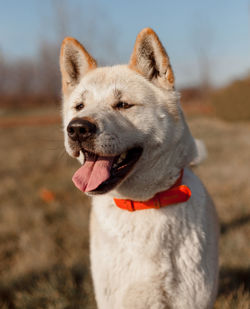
x,y
79,106
123,105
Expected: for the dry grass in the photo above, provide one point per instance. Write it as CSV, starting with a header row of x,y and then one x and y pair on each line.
x,y
226,175
233,101
44,219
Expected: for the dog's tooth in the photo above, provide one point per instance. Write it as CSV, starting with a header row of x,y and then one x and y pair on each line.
x,y
82,157
123,156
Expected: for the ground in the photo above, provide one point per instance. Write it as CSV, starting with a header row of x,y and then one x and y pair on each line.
x,y
44,219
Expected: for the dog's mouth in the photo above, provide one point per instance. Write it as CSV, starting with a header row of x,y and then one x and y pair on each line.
x,y
101,173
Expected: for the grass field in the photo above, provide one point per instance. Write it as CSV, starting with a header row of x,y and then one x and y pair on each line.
x,y
44,220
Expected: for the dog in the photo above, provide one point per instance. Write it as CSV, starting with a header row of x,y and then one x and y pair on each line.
x,y
153,226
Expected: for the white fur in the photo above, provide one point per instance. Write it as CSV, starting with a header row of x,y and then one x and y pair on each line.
x,y
163,258
201,152
148,259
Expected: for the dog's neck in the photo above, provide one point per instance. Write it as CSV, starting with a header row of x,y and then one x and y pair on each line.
x,y
178,193
144,188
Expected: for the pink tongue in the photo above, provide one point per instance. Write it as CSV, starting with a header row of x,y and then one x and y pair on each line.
x,y
92,173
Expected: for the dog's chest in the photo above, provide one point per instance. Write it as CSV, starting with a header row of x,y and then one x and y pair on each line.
x,y
130,250
138,233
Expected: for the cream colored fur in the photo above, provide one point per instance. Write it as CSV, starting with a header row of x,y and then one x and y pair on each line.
x,y
155,259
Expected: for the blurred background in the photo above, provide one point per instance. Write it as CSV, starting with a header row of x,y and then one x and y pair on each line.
x,y
44,260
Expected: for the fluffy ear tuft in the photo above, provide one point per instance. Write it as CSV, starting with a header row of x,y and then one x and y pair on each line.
x,y
75,62
201,152
150,59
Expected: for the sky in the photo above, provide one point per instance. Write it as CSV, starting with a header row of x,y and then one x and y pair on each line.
x,y
198,35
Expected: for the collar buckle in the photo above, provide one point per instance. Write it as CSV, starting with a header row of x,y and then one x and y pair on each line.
x,y
155,202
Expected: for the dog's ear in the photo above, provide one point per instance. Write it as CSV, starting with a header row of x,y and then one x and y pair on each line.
x,y
75,62
150,59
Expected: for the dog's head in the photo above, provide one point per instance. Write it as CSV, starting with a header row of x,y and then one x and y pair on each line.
x,y
124,123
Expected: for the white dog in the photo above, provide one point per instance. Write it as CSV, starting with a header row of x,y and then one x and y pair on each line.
x,y
153,225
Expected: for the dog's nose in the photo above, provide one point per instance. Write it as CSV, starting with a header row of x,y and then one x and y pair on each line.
x,y
81,129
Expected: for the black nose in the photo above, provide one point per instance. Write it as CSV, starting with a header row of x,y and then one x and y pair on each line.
x,y
80,129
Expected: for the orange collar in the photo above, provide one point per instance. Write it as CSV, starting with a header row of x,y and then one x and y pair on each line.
x,y
178,193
